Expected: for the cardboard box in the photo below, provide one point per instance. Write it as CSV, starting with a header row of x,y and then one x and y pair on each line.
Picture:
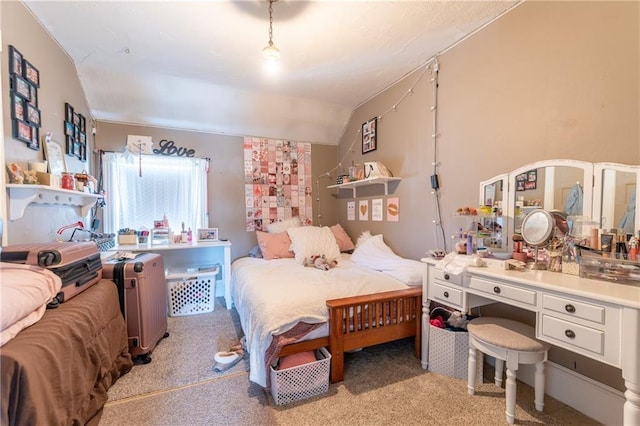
x,y
48,179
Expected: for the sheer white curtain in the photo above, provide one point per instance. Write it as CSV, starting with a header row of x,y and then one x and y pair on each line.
x,y
174,186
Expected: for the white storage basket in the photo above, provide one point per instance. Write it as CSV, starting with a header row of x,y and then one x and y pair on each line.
x,y
191,293
302,381
449,353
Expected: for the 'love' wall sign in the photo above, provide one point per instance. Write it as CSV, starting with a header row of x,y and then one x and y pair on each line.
x,y
169,148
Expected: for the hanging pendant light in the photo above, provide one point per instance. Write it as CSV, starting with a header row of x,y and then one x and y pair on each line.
x,y
271,52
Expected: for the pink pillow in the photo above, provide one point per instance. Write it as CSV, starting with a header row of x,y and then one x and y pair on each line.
x,y
342,238
294,360
274,246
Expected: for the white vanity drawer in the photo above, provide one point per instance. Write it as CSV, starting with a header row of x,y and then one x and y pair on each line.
x,y
574,335
447,295
439,274
499,290
586,311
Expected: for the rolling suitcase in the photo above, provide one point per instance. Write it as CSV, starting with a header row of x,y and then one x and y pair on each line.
x,y
78,264
143,300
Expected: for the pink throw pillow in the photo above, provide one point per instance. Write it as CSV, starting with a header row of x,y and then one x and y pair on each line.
x,y
274,246
342,238
294,360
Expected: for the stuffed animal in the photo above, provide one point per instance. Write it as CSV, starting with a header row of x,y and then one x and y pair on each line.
x,y
320,262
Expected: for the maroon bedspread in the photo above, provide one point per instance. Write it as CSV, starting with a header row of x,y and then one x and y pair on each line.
x,y
58,371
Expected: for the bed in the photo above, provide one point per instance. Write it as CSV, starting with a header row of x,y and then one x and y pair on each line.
x,y
58,370
285,307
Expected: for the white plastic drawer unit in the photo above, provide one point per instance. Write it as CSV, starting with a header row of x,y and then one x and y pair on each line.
x,y
574,308
499,290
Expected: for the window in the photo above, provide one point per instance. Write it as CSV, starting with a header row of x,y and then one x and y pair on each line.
x,y
174,186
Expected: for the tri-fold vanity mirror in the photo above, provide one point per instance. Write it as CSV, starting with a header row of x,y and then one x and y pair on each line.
x,y
592,195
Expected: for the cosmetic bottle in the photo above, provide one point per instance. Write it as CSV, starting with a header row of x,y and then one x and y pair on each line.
x,y
189,235
469,244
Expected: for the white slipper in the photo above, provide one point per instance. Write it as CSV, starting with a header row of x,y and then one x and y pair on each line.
x,y
226,357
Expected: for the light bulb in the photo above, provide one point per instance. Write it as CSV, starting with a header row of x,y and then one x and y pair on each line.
x,y
271,52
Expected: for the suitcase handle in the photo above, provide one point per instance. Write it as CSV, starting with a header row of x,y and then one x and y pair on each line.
x,y
85,279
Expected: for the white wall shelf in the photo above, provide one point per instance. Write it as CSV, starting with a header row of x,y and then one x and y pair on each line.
x,y
20,196
367,182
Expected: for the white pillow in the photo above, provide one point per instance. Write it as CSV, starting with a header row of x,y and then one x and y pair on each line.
x,y
283,225
307,241
373,253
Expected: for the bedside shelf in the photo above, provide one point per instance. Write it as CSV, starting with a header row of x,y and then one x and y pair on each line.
x,y
20,196
367,182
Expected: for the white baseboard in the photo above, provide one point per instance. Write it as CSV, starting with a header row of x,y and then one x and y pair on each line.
x,y
600,402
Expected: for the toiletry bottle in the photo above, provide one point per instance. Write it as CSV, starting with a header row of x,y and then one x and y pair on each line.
x,y
183,234
621,247
189,235
469,244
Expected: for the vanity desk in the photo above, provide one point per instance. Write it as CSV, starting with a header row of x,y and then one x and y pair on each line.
x,y
597,319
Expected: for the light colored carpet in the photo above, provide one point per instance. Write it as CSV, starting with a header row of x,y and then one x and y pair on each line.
x,y
384,384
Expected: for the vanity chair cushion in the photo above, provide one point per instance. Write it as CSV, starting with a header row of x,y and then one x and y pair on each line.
x,y
507,334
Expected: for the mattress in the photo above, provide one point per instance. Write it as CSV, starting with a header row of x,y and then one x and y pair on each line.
x,y
272,296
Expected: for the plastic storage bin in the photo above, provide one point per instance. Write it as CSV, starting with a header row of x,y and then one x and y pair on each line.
x,y
302,381
191,291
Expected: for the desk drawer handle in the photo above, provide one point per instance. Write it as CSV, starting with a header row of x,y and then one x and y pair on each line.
x,y
570,308
496,290
446,276
446,294
570,334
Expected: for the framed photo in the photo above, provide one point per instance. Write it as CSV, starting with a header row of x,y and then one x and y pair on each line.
x,y
83,137
208,234
35,139
21,86
369,138
33,115
69,145
33,95
17,107
76,119
54,155
69,129
77,149
31,73
23,131
15,61
68,112
83,124
83,152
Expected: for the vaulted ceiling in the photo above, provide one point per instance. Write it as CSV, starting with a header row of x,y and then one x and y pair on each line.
x,y
197,65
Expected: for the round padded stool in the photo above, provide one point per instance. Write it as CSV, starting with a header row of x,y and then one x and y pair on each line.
x,y
510,341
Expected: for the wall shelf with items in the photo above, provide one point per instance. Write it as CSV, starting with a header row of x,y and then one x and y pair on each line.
x,y
20,196
367,182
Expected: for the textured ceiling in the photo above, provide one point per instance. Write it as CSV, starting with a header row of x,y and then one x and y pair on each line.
x,y
198,65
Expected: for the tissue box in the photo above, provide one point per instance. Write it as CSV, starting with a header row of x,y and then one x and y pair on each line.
x,y
127,239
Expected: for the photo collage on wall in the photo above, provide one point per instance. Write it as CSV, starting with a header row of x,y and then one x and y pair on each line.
x,y
277,181
75,133
24,81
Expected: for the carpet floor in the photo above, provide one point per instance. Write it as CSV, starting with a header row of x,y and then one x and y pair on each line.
x,y
383,384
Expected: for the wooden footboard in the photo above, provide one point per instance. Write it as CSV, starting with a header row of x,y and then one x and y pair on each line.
x,y
361,321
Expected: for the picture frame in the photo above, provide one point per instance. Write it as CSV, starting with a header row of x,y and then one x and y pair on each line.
x,y
32,115
69,145
77,149
76,119
69,129
83,124
35,139
83,137
83,152
369,135
31,73
54,155
15,61
21,86
208,234
23,131
33,95
68,112
17,107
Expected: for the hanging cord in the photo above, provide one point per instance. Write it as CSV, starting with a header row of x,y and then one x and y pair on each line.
x,y
435,184
319,215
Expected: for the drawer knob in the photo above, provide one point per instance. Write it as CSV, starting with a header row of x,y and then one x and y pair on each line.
x,y
446,294
446,276
496,290
570,308
570,334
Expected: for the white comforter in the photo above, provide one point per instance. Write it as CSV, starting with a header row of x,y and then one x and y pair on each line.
x,y
25,292
272,296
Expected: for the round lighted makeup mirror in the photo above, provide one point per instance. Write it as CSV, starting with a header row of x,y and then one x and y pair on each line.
x,y
537,230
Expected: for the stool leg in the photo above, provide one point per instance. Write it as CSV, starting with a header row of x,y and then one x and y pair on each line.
x,y
539,386
499,372
510,389
471,371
